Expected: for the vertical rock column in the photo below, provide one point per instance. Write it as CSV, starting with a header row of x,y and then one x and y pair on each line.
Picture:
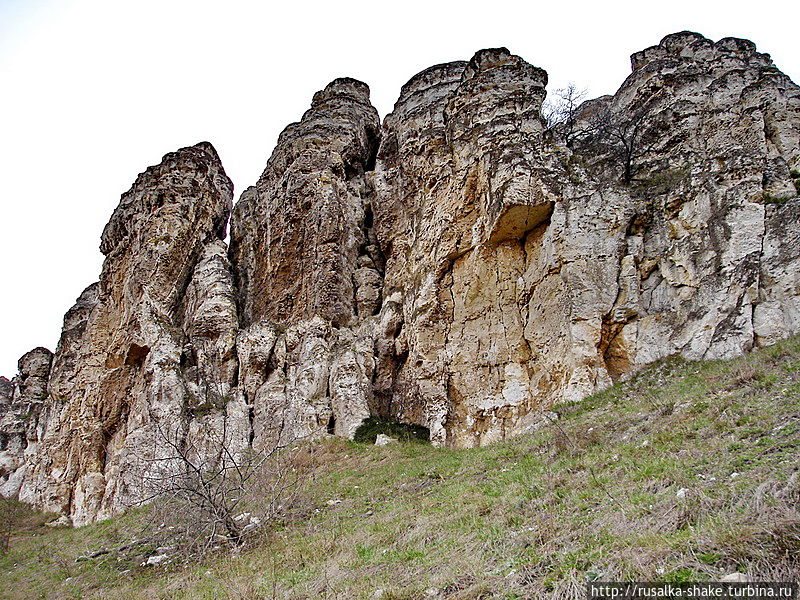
x,y
460,186
309,273
21,403
118,391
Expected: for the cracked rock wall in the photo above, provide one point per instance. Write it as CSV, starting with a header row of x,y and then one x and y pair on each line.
x,y
119,377
309,272
532,273
461,266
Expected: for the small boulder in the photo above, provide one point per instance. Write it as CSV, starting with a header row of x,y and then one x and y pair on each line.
x,y
385,440
735,578
155,560
62,521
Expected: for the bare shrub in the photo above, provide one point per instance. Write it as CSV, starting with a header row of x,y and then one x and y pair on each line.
x,y
618,138
205,501
560,111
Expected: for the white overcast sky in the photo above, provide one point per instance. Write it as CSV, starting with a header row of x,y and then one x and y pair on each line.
x,y
94,91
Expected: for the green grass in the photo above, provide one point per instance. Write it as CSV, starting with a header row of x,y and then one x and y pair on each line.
x,y
593,496
770,199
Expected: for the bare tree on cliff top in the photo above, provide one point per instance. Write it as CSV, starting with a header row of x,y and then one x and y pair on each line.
x,y
561,110
619,137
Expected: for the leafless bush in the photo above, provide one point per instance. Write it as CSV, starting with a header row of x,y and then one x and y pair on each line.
x,y
617,137
204,501
561,110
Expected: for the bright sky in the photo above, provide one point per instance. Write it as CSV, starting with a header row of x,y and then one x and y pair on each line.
x,y
94,91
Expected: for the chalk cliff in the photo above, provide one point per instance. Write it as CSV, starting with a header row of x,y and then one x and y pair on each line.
x,y
462,266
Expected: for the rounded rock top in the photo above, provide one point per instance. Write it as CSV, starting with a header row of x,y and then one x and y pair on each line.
x,y
342,86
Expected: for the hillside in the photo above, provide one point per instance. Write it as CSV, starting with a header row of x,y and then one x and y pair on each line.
x,y
688,471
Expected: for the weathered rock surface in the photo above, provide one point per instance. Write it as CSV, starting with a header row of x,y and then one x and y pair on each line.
x,y
461,267
532,272
309,272
21,402
119,387
296,235
458,189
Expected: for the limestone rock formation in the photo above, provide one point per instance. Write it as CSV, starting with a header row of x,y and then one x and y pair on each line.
x,y
535,271
21,403
462,267
120,382
309,271
458,188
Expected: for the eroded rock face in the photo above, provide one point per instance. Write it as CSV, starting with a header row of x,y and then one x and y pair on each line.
x,y
119,387
717,136
458,190
296,236
533,272
460,267
21,406
309,272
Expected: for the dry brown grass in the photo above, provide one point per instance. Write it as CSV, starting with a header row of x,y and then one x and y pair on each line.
x,y
594,495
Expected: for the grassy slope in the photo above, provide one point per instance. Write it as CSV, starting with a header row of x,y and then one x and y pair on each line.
x,y
593,496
